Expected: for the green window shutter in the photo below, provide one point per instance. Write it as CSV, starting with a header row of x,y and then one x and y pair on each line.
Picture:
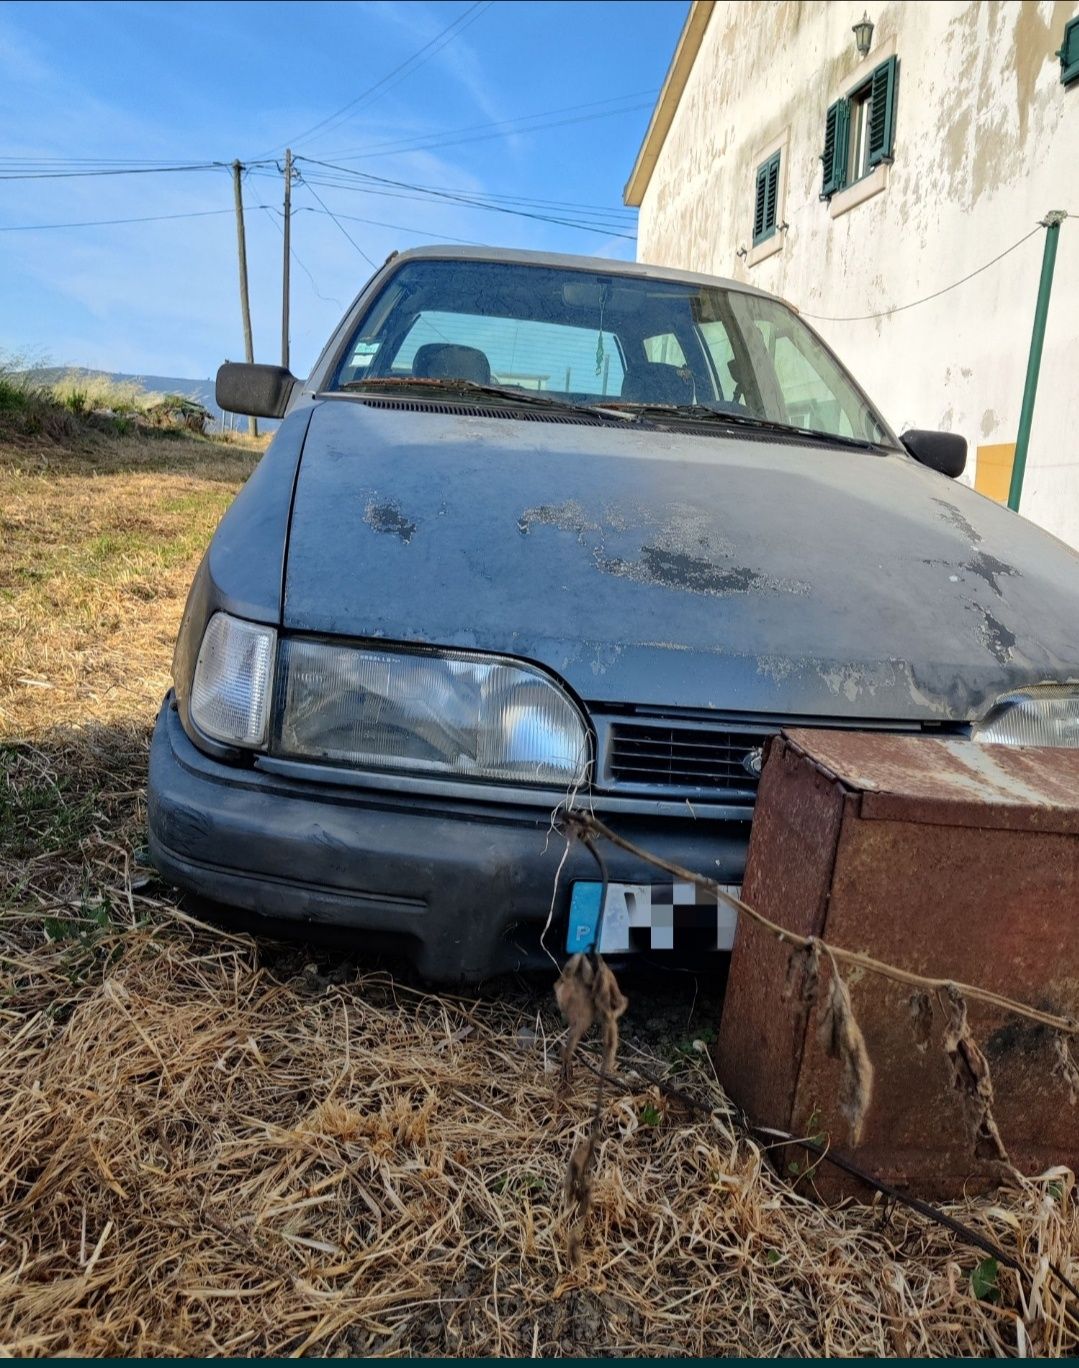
x,y
771,196
759,204
766,199
1069,52
882,112
834,156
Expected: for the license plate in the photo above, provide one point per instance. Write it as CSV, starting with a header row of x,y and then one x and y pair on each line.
x,y
670,916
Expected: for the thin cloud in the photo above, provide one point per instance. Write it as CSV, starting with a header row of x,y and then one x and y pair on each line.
x,y
459,59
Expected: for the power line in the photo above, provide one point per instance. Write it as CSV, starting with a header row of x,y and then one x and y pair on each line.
x,y
476,199
435,144
887,313
328,299
348,180
601,209
471,201
340,225
52,162
503,128
598,228
410,64
587,222
116,171
397,227
104,223
208,213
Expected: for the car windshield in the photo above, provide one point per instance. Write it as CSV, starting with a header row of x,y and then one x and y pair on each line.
x,y
605,339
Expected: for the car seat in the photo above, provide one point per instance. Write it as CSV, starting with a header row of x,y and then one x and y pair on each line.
x,y
448,361
657,382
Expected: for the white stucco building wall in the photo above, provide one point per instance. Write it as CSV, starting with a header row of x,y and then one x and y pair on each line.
x,y
986,141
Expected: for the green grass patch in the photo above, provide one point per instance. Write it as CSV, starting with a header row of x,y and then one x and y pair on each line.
x,y
41,812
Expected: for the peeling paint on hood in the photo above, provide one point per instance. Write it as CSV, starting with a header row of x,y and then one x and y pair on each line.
x,y
678,569
387,517
683,552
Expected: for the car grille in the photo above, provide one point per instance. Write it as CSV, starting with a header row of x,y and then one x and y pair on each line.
x,y
698,758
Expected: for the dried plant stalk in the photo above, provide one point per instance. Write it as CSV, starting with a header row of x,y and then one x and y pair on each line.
x,y
970,1070
921,1015
842,1037
803,982
587,991
1065,1067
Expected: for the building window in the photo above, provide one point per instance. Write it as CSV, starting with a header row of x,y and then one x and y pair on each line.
x,y
861,105
1069,52
859,130
766,200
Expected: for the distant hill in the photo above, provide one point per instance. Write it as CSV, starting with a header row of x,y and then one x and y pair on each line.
x,y
202,391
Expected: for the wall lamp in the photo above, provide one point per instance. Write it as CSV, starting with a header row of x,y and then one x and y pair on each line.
x,y
863,34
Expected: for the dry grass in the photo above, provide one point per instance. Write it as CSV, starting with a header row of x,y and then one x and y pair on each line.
x,y
38,405
205,1154
83,391
209,1146
99,547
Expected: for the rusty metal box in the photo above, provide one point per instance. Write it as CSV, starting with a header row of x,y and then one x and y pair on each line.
x,y
945,857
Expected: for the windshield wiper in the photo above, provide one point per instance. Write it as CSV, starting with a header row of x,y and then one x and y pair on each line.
x,y
613,410
525,397
708,413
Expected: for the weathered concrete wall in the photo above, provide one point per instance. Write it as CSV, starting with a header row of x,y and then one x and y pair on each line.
x,y
986,142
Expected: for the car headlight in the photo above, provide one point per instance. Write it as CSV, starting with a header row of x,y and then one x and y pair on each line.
x,y
453,713
1044,715
230,692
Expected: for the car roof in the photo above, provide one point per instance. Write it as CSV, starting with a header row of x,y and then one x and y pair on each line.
x,y
566,262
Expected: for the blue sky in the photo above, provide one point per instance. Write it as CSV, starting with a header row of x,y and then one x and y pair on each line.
x,y
170,82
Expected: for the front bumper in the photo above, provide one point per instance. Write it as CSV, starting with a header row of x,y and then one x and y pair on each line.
x,y
463,887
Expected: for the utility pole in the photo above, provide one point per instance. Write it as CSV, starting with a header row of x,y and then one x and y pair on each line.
x,y
245,303
1051,223
285,261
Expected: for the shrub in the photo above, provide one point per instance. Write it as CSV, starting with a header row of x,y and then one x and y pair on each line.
x,y
18,392
88,392
177,411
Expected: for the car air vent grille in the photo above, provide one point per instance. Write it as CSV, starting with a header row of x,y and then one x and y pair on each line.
x,y
706,759
520,413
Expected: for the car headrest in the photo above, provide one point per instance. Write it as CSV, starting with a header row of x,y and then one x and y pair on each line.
x,y
447,361
655,382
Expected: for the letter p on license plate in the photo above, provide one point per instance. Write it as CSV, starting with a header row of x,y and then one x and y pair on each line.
x,y
669,916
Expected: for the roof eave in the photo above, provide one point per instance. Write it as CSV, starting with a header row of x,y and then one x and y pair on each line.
x,y
674,83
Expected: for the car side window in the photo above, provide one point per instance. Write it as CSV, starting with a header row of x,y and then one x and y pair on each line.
x,y
808,398
729,374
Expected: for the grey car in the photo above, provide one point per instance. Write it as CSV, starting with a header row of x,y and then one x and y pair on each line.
x,y
541,530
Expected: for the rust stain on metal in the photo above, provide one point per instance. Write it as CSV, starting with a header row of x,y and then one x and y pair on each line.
x,y
945,779
945,857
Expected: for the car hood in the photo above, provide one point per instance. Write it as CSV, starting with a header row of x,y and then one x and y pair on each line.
x,y
676,570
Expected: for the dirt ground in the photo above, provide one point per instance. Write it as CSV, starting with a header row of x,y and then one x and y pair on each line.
x,y
216,1144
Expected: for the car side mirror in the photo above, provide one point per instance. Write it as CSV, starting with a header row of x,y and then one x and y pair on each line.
x,y
943,451
259,391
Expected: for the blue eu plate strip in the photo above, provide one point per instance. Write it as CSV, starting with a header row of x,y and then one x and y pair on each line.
x,y
583,917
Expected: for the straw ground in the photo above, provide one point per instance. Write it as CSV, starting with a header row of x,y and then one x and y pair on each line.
x,y
210,1144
